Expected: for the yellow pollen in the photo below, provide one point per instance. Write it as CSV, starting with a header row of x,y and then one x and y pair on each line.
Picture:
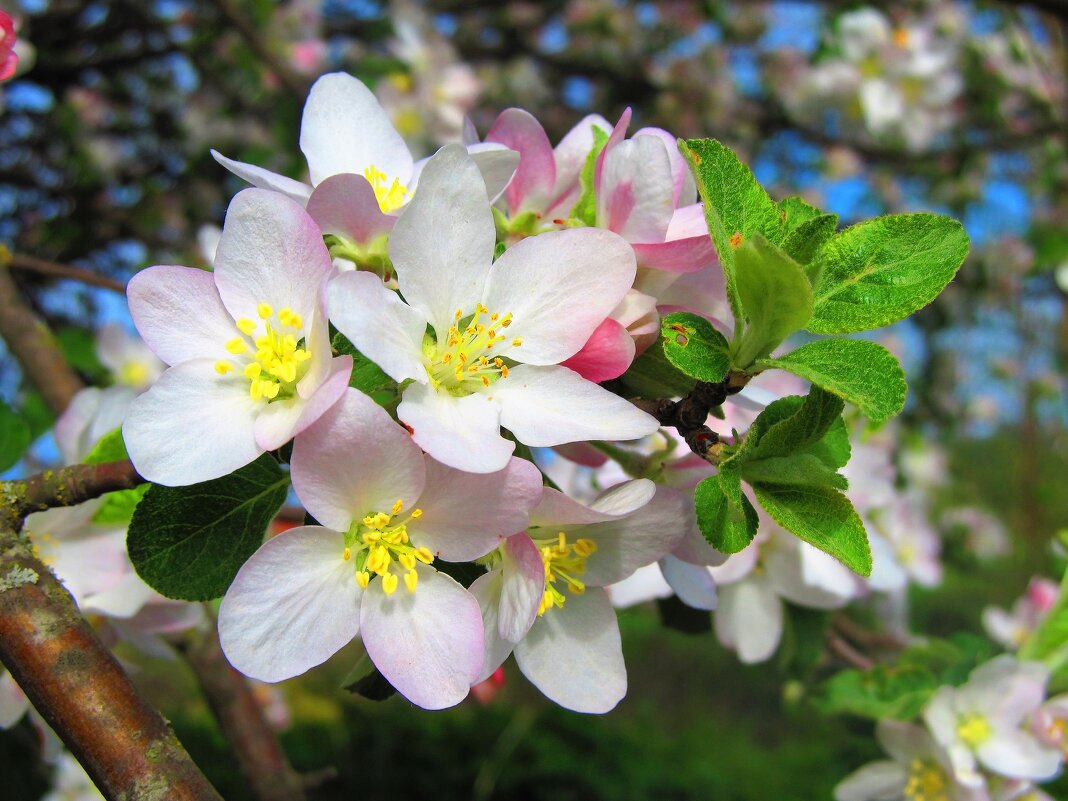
x,y
416,514
411,578
389,583
926,782
379,545
236,346
563,562
974,729
463,360
265,311
134,373
346,554
390,196
363,578
223,367
398,506
246,326
901,37
517,342
424,555
279,361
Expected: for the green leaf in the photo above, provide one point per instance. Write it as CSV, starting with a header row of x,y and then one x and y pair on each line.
x,y
189,542
776,297
652,376
883,270
14,437
585,208
726,518
795,210
367,376
366,680
119,506
736,205
804,242
694,346
1051,636
804,637
79,348
861,372
36,413
822,517
800,469
109,448
794,424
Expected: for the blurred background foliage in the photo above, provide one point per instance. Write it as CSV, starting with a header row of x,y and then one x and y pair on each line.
x,y
105,163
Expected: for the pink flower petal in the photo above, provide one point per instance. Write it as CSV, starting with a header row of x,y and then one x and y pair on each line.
x,y
536,175
606,355
345,205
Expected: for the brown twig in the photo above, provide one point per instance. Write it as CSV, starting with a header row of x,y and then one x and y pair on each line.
x,y
68,486
31,344
869,640
125,746
690,415
293,82
240,716
55,270
847,653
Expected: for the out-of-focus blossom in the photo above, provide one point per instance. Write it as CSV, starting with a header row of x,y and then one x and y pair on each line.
x,y
70,782
984,535
9,59
1011,629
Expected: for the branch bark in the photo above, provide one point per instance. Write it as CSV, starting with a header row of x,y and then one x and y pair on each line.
x,y
55,270
66,487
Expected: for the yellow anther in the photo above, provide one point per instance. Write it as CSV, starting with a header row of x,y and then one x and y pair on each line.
x,y
424,555
237,345
485,381
398,506
264,310
407,560
974,729
252,370
504,371
389,583
223,367
494,317
255,390
346,554
270,389
507,321
363,578
284,314
584,547
246,326
458,315
416,514
411,578
517,342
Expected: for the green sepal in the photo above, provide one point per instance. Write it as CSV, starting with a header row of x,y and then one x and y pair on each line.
x,y
585,208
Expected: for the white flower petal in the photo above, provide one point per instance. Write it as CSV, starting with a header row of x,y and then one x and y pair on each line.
x,y
644,584
559,286
297,191
467,515
356,461
574,654
345,205
877,781
345,129
546,406
461,432
634,198
442,245
280,421
692,583
383,328
292,606
428,643
487,591
750,613
497,165
13,701
1019,755
192,425
523,577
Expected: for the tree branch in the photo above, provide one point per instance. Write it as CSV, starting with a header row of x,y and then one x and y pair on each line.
x,y
50,268
690,415
31,344
78,687
66,487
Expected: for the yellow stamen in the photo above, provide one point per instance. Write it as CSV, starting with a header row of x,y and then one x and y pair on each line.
x,y
246,326
236,346
411,578
223,367
389,583
264,310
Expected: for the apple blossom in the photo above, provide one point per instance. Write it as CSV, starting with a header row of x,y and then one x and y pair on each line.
x,y
387,512
247,345
9,59
500,329
1012,629
543,596
982,722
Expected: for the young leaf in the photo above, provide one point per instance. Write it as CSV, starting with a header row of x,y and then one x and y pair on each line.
x,y
14,437
109,448
822,517
736,206
807,238
776,297
794,424
1050,640
585,208
118,506
189,542
864,373
694,346
795,210
800,470
725,516
883,270
652,376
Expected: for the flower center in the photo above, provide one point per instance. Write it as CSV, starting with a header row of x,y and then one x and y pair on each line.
x,y
926,782
379,546
564,562
133,374
465,362
390,196
974,729
280,359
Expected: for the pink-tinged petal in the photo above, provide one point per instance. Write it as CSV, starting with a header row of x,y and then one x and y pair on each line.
x,y
383,327
459,530
630,496
317,343
738,566
750,618
688,221
904,741
559,286
92,414
636,537
355,461
619,133
122,600
280,421
694,548
429,643
270,252
574,655
692,583
296,191
677,256
497,164
581,453
179,314
487,591
1020,755
884,780
685,190
644,584
606,355
345,205
536,175
345,129
570,157
556,509
464,433
634,197
784,571
192,425
293,605
13,701
442,245
545,406
523,583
